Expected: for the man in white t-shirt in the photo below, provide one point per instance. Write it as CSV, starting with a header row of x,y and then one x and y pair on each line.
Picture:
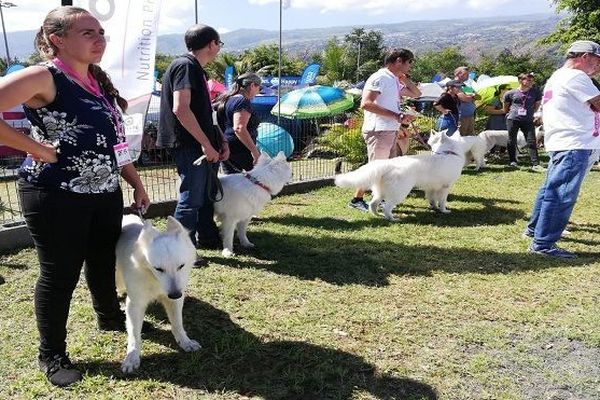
x,y
571,118
381,101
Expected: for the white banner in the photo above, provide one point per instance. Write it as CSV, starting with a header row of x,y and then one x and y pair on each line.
x,y
131,29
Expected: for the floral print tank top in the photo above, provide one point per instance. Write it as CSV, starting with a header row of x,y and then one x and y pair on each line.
x,y
82,128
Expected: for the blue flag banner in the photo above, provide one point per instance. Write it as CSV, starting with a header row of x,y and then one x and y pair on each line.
x,y
229,76
309,76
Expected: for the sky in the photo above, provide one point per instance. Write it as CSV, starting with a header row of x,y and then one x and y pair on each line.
x,y
228,15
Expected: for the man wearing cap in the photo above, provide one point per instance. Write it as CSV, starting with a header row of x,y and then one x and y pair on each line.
x,y
520,105
466,109
571,119
381,101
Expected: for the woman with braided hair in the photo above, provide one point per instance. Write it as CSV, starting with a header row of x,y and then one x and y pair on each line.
x,y
69,183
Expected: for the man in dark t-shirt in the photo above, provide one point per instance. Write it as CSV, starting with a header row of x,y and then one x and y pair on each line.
x,y
520,104
186,125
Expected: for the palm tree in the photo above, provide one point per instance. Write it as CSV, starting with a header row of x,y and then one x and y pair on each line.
x,y
333,60
216,69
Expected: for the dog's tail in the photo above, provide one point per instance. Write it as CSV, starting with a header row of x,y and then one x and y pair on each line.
x,y
364,177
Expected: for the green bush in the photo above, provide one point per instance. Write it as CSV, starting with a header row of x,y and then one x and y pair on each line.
x,y
346,142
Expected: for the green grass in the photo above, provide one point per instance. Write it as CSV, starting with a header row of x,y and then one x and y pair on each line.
x,y
338,304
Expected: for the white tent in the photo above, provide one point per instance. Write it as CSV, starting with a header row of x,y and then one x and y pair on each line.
x,y
430,91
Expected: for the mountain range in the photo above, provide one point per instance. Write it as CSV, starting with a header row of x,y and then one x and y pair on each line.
x,y
473,36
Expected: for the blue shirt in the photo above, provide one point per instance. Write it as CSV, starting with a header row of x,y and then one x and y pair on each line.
x,y
82,128
235,104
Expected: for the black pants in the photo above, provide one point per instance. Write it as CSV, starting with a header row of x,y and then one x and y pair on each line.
x,y
528,130
69,229
240,158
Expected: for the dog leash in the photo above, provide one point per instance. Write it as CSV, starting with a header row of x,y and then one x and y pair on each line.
x,y
213,181
418,136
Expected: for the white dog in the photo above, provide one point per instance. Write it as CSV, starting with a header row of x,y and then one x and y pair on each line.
x,y
474,148
153,265
246,194
392,180
500,138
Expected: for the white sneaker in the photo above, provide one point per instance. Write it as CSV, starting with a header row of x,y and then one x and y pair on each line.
x,y
538,168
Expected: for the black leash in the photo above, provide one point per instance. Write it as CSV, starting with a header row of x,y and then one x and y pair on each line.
x,y
213,182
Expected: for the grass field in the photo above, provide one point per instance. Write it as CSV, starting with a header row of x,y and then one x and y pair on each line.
x,y
337,304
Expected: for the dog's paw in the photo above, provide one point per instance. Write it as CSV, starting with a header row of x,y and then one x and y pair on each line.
x,y
188,344
445,211
131,362
227,253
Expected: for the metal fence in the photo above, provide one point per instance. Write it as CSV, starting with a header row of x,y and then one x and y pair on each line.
x,y
157,170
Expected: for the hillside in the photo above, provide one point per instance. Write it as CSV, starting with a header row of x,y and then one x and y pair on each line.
x,y
473,36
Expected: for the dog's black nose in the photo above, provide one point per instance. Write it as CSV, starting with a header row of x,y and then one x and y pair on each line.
x,y
174,295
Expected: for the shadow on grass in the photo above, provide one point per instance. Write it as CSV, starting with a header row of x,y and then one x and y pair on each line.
x,y
233,359
371,262
490,214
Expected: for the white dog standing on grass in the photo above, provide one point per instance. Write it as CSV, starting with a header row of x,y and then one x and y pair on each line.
x,y
474,148
500,138
246,194
153,265
392,180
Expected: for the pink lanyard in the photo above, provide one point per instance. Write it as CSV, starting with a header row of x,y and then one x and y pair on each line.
x,y
94,88
596,132
526,96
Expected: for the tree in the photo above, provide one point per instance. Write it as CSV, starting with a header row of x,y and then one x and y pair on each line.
x,y
431,63
333,60
162,61
582,22
264,60
363,47
216,68
507,63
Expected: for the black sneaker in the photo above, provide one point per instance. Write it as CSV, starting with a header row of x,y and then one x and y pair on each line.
x,y
59,370
359,204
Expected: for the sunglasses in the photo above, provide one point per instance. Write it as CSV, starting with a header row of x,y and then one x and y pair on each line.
x,y
221,44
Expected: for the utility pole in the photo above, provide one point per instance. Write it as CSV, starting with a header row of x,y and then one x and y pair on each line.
x,y
196,10
5,4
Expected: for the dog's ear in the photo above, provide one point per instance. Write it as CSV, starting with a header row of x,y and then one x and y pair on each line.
x,y
264,158
148,232
175,226
280,156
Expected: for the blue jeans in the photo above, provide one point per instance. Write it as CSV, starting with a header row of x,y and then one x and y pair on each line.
x,y
195,209
449,122
557,196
